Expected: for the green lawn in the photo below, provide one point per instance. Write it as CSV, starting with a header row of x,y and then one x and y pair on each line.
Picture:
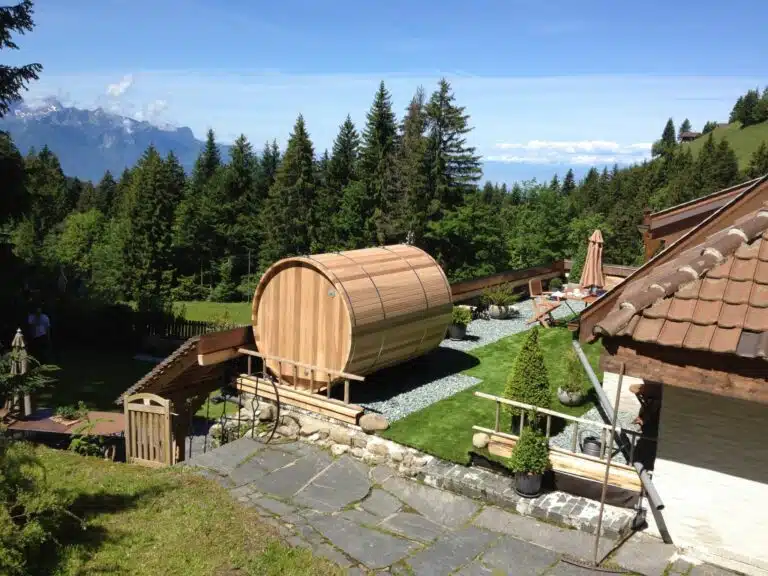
x,y
444,429
97,377
239,312
744,141
148,522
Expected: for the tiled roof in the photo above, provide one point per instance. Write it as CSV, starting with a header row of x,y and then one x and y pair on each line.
x,y
713,297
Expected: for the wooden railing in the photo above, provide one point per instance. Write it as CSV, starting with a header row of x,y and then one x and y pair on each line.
x,y
605,429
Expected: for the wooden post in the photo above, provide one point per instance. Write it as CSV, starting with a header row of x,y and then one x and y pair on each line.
x,y
328,386
311,380
346,391
498,407
608,463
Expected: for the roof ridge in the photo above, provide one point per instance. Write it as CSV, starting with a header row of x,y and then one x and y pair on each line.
x,y
684,270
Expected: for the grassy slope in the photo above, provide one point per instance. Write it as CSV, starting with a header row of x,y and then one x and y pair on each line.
x,y
147,522
239,312
444,429
744,141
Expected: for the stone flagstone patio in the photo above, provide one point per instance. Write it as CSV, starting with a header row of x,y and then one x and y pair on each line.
x,y
371,521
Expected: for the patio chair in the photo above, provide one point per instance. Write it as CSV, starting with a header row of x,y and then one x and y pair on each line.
x,y
542,308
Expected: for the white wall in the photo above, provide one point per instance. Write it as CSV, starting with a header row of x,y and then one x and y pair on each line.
x,y
712,474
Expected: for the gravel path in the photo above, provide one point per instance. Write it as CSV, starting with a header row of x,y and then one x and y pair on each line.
x,y
479,333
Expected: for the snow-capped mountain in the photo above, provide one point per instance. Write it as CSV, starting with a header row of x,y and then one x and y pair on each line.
x,y
89,142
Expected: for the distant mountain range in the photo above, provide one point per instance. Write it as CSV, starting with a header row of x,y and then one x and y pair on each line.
x,y
90,142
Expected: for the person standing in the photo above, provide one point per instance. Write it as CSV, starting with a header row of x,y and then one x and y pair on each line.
x,y
40,328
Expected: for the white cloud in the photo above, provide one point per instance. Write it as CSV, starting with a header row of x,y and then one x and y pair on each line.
x,y
576,152
119,88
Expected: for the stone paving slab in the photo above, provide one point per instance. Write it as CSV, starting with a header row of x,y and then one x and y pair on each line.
x,y
645,555
372,548
513,556
451,552
340,484
439,506
412,526
286,481
381,503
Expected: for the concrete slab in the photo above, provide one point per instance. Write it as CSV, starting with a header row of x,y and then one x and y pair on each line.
x,y
451,552
439,506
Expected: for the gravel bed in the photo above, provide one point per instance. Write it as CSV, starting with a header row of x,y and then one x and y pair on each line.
x,y
483,332
565,438
479,333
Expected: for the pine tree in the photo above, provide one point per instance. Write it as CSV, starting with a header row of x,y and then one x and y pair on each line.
x,y
761,109
528,382
287,218
343,167
569,183
554,184
324,209
709,127
106,192
15,19
378,157
758,163
726,167
149,250
414,169
684,127
749,108
208,162
237,222
15,198
349,222
668,141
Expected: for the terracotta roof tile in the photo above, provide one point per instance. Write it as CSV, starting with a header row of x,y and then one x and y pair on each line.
x,y
732,315
743,269
699,337
673,333
737,292
724,309
712,289
756,319
658,310
707,312
647,329
690,290
681,310
725,340
759,296
761,273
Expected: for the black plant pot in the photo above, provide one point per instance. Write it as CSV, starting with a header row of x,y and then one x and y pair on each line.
x,y
528,485
457,331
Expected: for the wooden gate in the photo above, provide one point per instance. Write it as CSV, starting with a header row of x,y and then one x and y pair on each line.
x,y
148,431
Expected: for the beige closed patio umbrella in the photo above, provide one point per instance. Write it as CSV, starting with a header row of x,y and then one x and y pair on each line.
x,y
592,275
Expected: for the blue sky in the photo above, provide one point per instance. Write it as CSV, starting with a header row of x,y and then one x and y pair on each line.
x,y
550,82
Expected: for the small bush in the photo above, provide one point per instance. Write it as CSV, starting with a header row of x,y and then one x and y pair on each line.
x,y
461,316
70,412
528,382
222,321
555,284
575,382
501,295
189,288
531,453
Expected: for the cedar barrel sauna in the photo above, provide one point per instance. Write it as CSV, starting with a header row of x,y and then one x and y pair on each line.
x,y
355,311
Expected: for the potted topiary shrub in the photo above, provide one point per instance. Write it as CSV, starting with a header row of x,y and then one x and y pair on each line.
x,y
571,391
528,382
529,461
461,318
499,300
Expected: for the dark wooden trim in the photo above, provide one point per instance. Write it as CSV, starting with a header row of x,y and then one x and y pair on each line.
x,y
719,374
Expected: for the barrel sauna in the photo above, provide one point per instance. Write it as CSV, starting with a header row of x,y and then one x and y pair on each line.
x,y
356,311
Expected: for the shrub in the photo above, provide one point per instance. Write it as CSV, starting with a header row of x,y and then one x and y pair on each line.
x,y
531,453
30,511
461,316
501,295
555,284
574,374
190,289
528,382
70,412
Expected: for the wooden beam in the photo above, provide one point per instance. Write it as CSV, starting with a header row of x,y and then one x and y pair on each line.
x,y
337,373
217,357
234,338
572,463
720,374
